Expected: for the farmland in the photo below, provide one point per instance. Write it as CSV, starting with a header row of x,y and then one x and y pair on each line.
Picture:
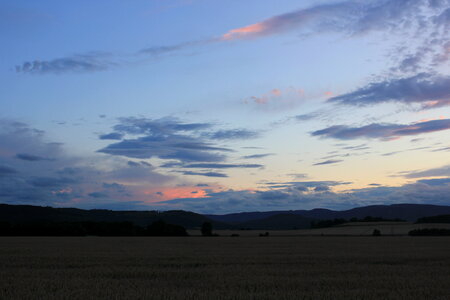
x,y
224,267
347,229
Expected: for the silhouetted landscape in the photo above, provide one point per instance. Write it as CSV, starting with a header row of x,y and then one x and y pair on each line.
x,y
225,150
26,220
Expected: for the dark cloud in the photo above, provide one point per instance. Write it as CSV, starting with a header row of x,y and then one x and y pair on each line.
x,y
64,180
169,138
254,156
29,157
291,198
98,195
207,174
328,162
436,181
382,131
426,89
165,138
222,166
436,172
4,170
322,188
52,182
157,127
111,136
308,185
90,62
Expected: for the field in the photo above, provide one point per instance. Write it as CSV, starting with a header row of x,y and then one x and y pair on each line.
x,y
225,268
347,229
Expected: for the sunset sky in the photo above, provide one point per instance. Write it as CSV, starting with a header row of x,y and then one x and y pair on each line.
x,y
219,106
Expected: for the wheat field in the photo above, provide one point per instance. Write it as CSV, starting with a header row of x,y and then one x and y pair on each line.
x,y
225,268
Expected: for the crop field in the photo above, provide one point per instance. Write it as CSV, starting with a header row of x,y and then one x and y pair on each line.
x,y
225,267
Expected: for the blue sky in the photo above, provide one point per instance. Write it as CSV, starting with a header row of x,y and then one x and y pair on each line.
x,y
224,106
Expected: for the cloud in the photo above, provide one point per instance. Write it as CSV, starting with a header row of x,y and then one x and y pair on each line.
x,y
436,181
351,17
165,138
384,132
233,134
426,89
255,156
436,172
4,170
222,166
29,157
291,198
111,136
328,162
277,99
65,180
89,62
207,174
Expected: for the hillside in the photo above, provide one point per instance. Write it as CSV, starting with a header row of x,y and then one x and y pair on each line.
x,y
29,213
409,212
277,222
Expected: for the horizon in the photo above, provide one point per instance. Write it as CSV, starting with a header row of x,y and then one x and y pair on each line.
x,y
233,213
216,107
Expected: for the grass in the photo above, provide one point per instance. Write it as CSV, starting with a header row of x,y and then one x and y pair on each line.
x,y
225,268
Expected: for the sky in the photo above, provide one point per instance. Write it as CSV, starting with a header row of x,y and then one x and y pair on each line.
x,y
218,106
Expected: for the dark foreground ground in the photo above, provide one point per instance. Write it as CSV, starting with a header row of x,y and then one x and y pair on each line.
x,y
225,268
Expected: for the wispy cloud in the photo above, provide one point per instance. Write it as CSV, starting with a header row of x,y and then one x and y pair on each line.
x,y
426,89
81,63
328,162
111,136
256,156
349,17
223,166
354,17
436,172
30,157
232,134
384,132
206,174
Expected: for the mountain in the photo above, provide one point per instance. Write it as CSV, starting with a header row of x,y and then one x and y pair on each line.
x,y
29,213
408,212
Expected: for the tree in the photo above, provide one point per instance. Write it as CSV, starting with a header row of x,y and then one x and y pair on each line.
x,y
206,229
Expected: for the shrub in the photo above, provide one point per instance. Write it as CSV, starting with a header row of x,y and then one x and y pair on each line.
x,y
376,232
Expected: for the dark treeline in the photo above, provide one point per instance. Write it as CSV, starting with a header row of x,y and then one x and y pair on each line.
x,y
44,228
430,232
435,219
334,222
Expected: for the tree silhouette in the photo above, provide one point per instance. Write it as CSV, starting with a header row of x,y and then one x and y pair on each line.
x,y
206,229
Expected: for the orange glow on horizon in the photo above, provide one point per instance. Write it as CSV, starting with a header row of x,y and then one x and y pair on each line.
x,y
169,193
